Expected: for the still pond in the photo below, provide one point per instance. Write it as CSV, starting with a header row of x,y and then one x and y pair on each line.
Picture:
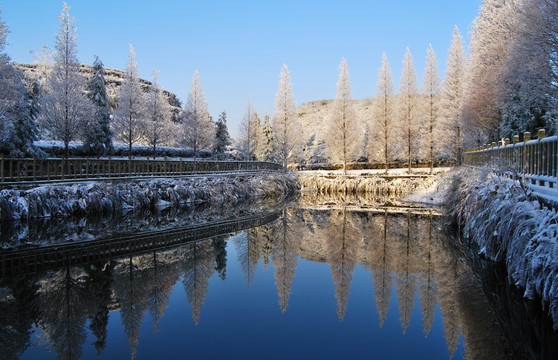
x,y
328,282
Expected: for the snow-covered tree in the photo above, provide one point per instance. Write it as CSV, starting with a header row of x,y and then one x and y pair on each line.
x,y
129,122
43,59
198,128
452,97
492,33
267,141
384,129
285,122
222,137
65,108
159,128
256,132
249,133
530,77
431,96
17,110
343,137
97,137
408,108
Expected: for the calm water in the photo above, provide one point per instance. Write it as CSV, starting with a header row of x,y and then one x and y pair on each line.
x,y
317,282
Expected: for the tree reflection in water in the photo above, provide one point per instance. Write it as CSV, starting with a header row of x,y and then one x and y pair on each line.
x,y
403,249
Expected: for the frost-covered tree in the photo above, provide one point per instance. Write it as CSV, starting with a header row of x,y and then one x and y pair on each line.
x,y
530,77
222,137
384,130
159,129
492,33
65,108
129,120
452,97
267,152
97,137
256,133
408,108
249,133
17,109
343,137
198,128
430,99
285,122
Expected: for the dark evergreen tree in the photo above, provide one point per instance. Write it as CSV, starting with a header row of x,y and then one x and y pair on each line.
x,y
97,138
220,248
222,138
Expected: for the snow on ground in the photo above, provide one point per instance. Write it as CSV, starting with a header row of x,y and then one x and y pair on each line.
x,y
510,225
435,193
107,197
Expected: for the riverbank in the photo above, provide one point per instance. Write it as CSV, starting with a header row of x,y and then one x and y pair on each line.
x,y
397,183
509,226
53,201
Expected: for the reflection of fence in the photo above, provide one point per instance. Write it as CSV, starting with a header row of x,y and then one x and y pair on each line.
x,y
25,261
536,161
17,170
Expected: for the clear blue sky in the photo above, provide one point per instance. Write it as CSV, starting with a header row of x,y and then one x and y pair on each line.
x,y
239,47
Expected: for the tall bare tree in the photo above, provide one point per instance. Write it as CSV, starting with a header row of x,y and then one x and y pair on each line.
x,y
431,96
159,128
249,129
65,107
129,120
199,130
285,122
452,98
384,130
343,135
408,107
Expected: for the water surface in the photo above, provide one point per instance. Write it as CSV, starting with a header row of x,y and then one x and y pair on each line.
x,y
324,282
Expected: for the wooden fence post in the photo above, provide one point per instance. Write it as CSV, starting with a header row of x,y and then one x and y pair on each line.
x,y
34,168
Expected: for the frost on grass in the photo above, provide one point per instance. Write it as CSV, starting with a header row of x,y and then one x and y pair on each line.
x,y
511,226
98,197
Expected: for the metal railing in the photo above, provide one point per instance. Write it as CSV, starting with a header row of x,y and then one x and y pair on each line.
x,y
35,169
535,161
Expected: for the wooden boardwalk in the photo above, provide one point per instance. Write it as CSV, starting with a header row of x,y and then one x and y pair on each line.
x,y
29,261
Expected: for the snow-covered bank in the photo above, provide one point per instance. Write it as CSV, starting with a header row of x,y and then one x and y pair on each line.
x,y
105,197
397,183
510,226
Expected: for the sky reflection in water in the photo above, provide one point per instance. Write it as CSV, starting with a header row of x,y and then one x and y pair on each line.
x,y
332,284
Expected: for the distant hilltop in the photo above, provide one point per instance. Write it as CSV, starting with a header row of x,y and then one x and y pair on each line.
x,y
113,80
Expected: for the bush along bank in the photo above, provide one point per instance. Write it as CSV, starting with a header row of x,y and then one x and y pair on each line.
x,y
510,226
106,197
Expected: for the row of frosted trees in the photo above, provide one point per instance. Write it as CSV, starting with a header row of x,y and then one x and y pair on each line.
x,y
506,86
410,126
61,104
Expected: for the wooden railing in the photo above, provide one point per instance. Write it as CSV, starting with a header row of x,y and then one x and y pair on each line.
x,y
34,169
534,161
25,261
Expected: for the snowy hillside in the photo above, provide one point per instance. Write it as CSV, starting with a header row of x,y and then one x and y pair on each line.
x,y
113,78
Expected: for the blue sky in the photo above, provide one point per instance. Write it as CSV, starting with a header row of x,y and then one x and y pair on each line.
x,y
239,47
